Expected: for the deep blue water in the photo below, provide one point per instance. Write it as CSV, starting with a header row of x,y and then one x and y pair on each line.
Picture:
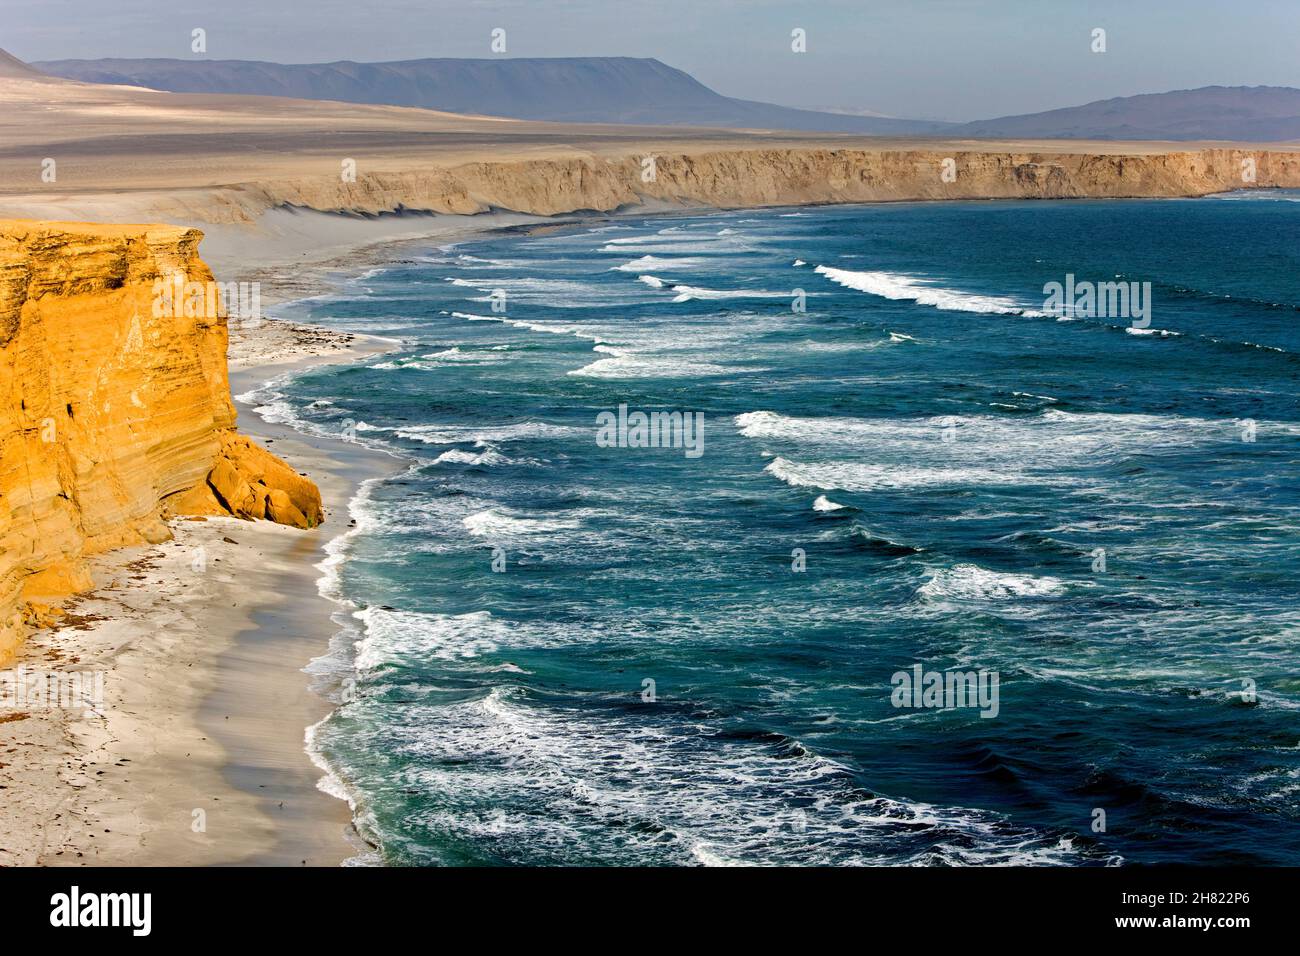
x,y
948,468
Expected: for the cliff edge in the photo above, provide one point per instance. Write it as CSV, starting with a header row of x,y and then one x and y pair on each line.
x,y
115,408
743,178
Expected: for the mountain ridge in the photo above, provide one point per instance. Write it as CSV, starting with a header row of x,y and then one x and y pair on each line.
x,y
646,91
1242,113
624,90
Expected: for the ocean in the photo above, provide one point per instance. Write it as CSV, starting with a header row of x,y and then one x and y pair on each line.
x,y
567,638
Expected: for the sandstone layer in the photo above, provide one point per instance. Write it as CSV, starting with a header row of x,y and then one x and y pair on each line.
x,y
732,177
115,409
773,177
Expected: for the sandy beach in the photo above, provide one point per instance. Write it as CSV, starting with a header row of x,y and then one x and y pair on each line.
x,y
197,756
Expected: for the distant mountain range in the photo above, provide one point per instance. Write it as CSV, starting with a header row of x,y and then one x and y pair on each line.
x,y
1248,113
628,90
562,89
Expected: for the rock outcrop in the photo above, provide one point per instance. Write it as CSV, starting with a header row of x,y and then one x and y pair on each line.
x,y
249,482
115,407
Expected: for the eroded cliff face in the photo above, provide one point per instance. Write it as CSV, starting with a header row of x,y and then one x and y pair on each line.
x,y
765,177
114,408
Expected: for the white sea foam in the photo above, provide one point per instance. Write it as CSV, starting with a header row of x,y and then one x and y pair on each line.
x,y
457,355
628,363
478,434
970,582
891,285
678,241
404,638
659,262
731,800
495,522
637,240
555,293
1163,333
434,361
361,510
1257,195
553,328
392,636
1052,439
336,665
1051,448
477,262
653,282
774,425
866,476
272,405
683,246
458,456
825,504
685,293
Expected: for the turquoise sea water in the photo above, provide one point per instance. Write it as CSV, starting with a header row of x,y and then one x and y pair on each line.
x,y
921,468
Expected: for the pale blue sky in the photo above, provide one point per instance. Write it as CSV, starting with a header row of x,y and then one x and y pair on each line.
x,y
949,59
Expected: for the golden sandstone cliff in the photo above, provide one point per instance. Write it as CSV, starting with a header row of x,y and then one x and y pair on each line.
x,y
743,178
114,412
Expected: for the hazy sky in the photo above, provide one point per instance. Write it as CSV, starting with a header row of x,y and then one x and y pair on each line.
x,y
944,59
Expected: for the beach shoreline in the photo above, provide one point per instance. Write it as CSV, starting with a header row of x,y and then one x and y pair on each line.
x,y
197,755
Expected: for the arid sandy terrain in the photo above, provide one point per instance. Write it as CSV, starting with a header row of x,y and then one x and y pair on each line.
x,y
126,152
